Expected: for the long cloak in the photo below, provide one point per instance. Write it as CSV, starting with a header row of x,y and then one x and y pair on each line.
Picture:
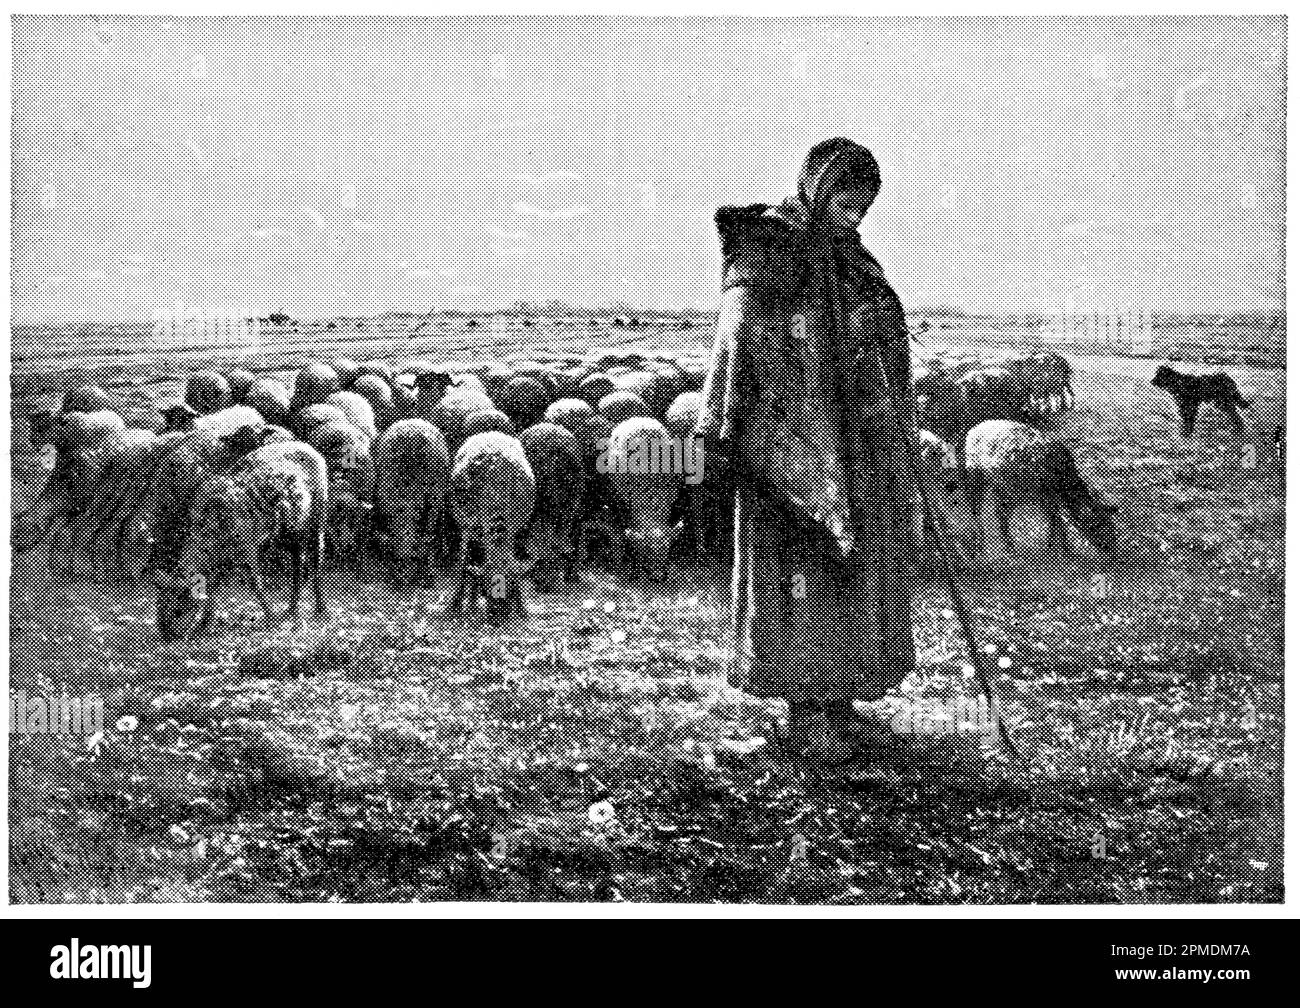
x,y
809,394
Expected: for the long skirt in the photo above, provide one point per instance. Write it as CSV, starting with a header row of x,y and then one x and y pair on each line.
x,y
811,625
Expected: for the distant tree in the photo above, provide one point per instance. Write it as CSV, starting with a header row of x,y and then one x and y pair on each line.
x,y
278,319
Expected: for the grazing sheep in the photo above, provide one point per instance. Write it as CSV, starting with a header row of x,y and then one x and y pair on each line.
x,y
412,478
448,408
645,470
524,400
73,431
380,369
270,398
273,433
623,405
993,394
684,413
87,399
305,420
493,494
655,391
568,413
694,372
314,384
1190,392
379,394
538,372
347,370
595,387
356,410
182,417
556,460
70,435
482,421
705,502
1025,488
343,446
240,381
208,392
96,474
94,482
405,402
1048,381
277,493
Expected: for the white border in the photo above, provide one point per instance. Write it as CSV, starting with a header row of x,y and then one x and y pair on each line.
x,y
751,9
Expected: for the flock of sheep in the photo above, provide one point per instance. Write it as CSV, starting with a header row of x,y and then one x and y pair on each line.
x,y
500,470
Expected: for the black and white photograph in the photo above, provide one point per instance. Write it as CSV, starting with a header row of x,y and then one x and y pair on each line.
x,y
686,462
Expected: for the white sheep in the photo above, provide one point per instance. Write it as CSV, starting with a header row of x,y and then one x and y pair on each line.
x,y
1029,494
493,494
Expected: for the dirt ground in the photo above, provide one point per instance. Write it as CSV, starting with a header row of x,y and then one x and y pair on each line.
x,y
591,750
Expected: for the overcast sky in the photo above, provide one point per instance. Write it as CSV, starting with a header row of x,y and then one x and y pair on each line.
x,y
356,165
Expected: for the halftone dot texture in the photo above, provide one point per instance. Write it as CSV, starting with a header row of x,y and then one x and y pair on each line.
x,y
519,198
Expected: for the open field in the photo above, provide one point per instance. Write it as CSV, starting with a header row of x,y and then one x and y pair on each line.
x,y
587,751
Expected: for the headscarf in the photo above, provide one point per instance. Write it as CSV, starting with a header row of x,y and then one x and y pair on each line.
x,y
833,167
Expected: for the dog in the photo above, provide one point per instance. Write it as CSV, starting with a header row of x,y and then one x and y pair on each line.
x,y
1191,391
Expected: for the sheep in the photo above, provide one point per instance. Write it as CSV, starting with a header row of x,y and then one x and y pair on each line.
x,y
380,369
347,370
305,420
412,476
379,394
314,384
239,381
993,393
74,430
87,399
90,482
493,494
270,398
356,410
653,389
446,407
66,435
153,515
623,405
344,448
1025,488
684,413
645,469
405,402
556,460
524,400
1047,379
278,492
208,392
595,387
96,472
482,421
182,417
568,413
